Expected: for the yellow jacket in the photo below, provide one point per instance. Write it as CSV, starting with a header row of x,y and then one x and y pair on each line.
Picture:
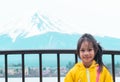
x,y
81,74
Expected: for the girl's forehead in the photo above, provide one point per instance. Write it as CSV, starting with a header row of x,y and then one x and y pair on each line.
x,y
87,44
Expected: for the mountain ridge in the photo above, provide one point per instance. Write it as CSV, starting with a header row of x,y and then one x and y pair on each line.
x,y
54,40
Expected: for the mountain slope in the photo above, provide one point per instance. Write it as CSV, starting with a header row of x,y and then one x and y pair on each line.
x,y
54,40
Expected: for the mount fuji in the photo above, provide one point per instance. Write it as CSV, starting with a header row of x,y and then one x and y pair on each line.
x,y
28,26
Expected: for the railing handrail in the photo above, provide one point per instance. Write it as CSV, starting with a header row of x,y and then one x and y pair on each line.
x,y
45,51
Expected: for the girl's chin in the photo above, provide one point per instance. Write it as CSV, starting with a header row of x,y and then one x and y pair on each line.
x,y
87,61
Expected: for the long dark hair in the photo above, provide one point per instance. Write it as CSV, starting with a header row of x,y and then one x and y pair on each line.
x,y
97,48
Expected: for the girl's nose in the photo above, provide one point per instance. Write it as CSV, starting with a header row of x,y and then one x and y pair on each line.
x,y
86,53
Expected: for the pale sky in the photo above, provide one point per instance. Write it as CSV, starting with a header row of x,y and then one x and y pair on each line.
x,y
99,17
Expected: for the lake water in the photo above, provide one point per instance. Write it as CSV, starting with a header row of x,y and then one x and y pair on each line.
x,y
45,79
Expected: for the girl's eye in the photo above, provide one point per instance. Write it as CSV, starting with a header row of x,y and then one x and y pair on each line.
x,y
82,50
90,49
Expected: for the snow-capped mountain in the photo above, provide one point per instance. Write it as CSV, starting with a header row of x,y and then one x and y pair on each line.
x,y
27,26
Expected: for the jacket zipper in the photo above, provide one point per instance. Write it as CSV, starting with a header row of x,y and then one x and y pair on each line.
x,y
88,75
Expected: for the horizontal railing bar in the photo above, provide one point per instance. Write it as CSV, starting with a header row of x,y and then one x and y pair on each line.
x,y
63,51
35,51
112,52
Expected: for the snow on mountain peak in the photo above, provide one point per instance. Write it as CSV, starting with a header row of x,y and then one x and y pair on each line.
x,y
27,26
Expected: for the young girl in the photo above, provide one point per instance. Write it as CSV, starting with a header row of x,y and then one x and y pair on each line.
x,y
91,69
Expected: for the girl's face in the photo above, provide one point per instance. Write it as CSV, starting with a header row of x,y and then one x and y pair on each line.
x,y
87,53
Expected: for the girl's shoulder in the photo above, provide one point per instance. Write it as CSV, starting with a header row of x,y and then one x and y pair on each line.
x,y
106,74
77,67
106,70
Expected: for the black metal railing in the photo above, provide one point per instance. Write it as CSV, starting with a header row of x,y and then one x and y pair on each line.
x,y
57,52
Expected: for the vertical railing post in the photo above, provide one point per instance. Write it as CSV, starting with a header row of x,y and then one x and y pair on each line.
x,y
6,68
23,69
40,66
113,67
58,66
76,58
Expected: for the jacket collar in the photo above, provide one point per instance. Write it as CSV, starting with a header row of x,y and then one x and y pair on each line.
x,y
94,64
